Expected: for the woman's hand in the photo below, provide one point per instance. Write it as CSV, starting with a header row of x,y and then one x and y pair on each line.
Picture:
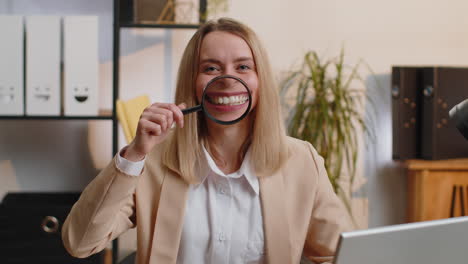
x,y
153,128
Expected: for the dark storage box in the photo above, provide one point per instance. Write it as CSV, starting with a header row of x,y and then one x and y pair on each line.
x,y
30,226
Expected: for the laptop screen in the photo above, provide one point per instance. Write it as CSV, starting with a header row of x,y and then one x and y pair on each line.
x,y
430,242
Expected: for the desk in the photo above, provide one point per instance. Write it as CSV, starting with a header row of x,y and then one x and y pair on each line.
x,y
437,189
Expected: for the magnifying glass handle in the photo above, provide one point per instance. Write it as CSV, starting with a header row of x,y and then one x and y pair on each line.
x,y
192,109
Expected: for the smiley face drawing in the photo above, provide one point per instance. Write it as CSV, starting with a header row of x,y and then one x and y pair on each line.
x,y
42,95
7,94
81,94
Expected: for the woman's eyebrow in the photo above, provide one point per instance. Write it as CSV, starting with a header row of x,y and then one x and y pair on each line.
x,y
211,60
243,59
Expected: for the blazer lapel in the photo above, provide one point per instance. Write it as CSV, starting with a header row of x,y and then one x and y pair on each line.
x,y
276,226
169,220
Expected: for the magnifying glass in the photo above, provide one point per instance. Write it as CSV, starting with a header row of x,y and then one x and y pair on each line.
x,y
226,100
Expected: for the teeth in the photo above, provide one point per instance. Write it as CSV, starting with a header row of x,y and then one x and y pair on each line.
x,y
230,100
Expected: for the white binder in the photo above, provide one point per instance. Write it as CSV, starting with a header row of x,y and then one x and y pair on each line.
x,y
80,40
43,65
11,65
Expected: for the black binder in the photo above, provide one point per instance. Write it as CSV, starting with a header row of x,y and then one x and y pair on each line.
x,y
443,88
406,112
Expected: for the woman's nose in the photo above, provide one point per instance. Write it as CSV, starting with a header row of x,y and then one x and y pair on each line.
x,y
229,83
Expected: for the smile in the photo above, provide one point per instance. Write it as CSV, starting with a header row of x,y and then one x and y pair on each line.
x,y
43,97
81,99
228,100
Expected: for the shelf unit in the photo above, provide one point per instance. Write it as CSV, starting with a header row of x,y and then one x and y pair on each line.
x,y
25,117
105,115
167,26
117,26
112,115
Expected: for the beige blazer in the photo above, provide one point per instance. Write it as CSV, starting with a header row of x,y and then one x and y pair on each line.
x,y
301,213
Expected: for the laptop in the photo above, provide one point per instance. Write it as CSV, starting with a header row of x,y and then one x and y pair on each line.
x,y
430,242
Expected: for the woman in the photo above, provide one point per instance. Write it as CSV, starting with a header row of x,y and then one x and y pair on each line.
x,y
210,193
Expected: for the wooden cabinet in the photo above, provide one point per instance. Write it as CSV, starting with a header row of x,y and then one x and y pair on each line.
x,y
437,189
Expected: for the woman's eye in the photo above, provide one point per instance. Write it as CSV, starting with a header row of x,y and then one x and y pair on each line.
x,y
210,69
244,67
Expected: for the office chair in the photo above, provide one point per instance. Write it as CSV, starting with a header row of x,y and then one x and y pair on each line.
x,y
129,112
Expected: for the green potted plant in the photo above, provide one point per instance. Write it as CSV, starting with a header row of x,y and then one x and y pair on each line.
x,y
325,108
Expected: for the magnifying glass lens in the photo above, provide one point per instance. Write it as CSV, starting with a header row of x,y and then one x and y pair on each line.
x,y
226,100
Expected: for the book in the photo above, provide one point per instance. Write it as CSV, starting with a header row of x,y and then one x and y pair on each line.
x,y
11,65
80,71
43,93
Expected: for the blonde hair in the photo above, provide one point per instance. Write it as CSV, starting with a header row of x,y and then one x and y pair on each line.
x,y
184,151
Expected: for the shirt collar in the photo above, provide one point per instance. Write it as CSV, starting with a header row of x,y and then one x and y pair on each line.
x,y
244,171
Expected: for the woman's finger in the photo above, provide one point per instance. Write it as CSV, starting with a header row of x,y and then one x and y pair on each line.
x,y
178,115
151,128
164,112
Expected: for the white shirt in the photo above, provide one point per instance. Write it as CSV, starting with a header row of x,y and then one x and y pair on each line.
x,y
223,219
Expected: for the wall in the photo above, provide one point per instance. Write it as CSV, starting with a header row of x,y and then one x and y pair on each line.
x,y
383,33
